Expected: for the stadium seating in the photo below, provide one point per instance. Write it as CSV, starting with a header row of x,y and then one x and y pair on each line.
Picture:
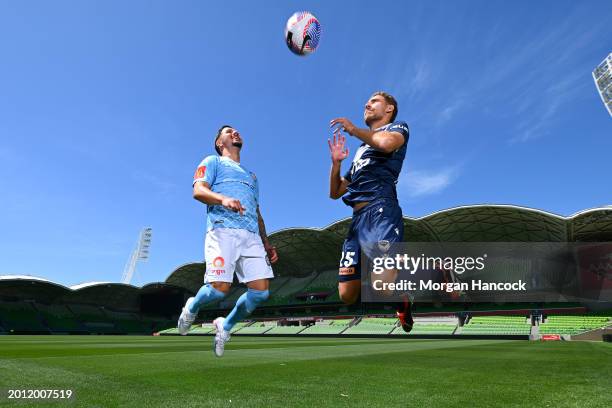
x,y
285,295
370,325
328,327
325,281
25,317
87,312
277,283
436,325
285,329
431,328
507,325
334,297
171,330
127,322
230,300
256,328
94,319
205,328
431,325
157,323
239,326
322,289
59,319
572,324
20,317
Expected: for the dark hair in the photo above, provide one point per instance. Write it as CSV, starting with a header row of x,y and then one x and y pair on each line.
x,y
390,100
219,135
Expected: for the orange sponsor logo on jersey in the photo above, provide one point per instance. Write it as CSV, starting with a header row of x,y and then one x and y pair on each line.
x,y
218,262
199,173
347,271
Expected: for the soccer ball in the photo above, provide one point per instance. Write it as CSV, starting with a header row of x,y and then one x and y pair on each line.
x,y
302,33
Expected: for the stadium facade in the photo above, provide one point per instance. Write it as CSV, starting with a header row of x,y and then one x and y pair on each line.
x,y
304,289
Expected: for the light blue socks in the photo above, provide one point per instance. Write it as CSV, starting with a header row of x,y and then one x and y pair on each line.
x,y
245,306
205,295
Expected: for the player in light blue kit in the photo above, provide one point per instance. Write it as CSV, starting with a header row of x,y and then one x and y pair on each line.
x,y
236,238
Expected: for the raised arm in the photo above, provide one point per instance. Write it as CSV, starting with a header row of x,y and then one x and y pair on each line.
x,y
338,151
383,141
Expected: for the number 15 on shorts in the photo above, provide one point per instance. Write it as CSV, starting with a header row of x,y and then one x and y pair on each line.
x,y
347,259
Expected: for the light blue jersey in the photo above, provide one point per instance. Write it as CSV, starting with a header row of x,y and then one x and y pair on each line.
x,y
225,176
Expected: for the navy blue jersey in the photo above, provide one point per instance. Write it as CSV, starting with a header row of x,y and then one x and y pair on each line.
x,y
374,174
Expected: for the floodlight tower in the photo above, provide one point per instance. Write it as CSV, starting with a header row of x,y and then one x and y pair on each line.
x,y
602,75
141,253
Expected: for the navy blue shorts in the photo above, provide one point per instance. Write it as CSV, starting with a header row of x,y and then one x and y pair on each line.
x,y
373,229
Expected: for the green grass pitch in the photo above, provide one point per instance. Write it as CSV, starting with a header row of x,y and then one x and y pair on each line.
x,y
120,371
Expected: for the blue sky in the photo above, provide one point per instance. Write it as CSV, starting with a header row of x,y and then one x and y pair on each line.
x,y
106,108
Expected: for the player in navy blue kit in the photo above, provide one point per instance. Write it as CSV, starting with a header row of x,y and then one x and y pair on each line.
x,y
369,188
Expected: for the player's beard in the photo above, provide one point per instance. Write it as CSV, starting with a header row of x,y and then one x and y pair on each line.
x,y
370,119
237,144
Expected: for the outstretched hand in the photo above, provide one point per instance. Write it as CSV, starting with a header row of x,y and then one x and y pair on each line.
x,y
338,149
343,124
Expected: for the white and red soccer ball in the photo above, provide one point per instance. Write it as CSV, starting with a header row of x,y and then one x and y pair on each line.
x,y
302,33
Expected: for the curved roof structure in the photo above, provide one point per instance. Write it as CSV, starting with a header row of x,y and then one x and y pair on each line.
x,y
113,295
189,276
25,287
26,277
117,296
304,250
86,285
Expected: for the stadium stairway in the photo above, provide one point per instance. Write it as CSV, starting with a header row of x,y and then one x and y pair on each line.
x,y
535,332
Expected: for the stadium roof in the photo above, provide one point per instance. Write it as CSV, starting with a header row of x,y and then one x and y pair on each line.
x,y
189,276
113,295
86,285
304,250
23,287
118,296
26,277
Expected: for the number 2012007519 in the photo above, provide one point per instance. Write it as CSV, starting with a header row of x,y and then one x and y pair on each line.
x,y
18,393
